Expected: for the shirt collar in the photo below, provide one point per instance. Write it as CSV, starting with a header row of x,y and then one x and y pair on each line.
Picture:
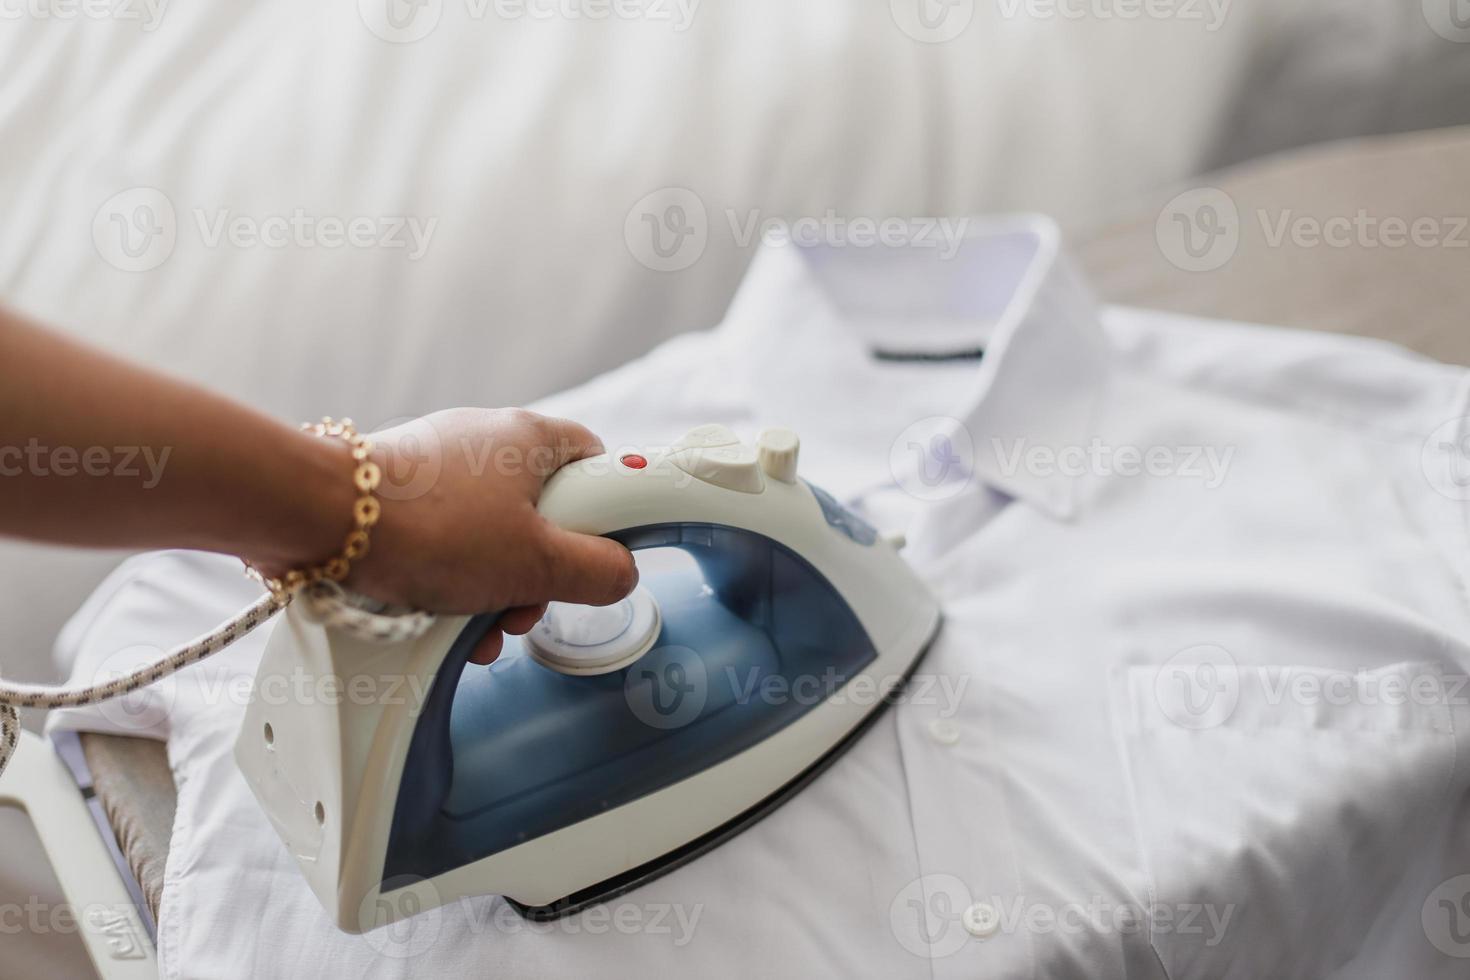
x,y
1003,287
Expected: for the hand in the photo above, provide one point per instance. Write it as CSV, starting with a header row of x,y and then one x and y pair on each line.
x,y
460,532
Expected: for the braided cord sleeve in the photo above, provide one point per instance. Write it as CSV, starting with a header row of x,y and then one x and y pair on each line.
x,y
325,603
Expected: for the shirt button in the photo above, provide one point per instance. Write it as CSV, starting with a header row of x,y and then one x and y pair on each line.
x,y
944,731
981,920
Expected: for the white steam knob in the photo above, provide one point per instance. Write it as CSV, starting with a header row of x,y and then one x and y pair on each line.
x,y
778,449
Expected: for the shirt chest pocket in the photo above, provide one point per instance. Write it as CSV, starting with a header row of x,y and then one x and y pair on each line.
x,y
1277,807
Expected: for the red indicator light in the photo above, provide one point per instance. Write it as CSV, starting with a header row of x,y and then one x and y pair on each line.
x,y
634,462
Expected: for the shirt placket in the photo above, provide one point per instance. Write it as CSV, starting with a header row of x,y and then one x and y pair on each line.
x,y
964,911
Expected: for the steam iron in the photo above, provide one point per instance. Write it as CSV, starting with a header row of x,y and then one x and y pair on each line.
x,y
610,744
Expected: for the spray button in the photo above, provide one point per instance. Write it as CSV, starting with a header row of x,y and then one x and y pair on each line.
x,y
707,436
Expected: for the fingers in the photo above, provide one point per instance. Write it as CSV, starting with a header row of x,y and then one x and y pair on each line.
x,y
519,620
488,648
570,441
586,569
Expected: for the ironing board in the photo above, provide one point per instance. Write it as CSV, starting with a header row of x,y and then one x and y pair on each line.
x,y
1415,296
132,780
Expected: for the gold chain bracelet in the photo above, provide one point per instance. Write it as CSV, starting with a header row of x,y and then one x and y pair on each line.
x,y
365,513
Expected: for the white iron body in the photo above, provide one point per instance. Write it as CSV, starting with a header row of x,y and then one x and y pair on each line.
x,y
326,767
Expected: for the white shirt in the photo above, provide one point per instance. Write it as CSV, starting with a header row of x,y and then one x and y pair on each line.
x,y
1196,709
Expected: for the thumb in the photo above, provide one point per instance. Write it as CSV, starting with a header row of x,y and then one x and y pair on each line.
x,y
587,569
